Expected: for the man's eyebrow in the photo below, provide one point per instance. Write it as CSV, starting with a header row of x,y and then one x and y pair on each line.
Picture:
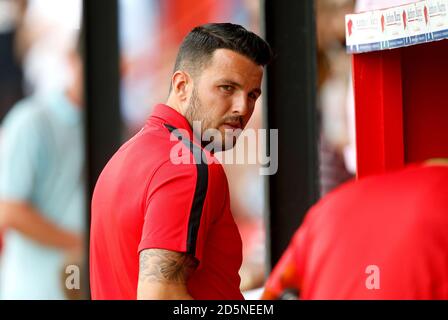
x,y
229,82
238,85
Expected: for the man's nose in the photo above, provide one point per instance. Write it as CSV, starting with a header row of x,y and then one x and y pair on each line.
x,y
241,105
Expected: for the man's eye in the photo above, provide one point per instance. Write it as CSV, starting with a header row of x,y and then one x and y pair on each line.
x,y
226,88
253,96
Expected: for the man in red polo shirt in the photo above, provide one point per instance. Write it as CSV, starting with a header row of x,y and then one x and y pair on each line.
x,y
382,237
161,222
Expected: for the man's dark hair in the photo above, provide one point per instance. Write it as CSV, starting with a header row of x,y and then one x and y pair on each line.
x,y
198,46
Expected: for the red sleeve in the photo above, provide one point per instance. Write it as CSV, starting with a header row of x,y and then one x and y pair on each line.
x,y
288,272
285,274
174,210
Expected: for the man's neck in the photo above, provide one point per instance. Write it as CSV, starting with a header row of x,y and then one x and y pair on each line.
x,y
172,103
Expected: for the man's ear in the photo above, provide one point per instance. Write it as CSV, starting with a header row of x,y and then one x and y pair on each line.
x,y
181,85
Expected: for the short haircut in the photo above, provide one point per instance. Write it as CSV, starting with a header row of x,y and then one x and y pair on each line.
x,y
199,45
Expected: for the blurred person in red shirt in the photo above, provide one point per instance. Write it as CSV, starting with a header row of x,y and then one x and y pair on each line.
x,y
381,237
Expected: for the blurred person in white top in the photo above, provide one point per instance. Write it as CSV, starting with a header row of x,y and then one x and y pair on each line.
x,y
50,29
42,196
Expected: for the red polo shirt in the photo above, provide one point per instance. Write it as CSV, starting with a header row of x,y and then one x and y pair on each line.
x,y
382,237
158,192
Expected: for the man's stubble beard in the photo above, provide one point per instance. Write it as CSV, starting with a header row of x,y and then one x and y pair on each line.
x,y
195,112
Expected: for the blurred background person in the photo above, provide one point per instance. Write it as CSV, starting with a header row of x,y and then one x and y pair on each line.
x,y
42,191
11,74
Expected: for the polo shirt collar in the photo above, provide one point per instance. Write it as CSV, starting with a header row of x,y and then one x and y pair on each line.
x,y
171,117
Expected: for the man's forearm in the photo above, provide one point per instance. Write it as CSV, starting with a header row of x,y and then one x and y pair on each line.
x,y
163,275
163,292
27,220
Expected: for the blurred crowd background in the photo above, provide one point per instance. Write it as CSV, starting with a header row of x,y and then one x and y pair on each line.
x,y
37,36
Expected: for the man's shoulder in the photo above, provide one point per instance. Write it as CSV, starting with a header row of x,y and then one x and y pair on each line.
x,y
150,142
144,154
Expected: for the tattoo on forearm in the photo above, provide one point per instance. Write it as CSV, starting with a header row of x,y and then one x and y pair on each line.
x,y
165,266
